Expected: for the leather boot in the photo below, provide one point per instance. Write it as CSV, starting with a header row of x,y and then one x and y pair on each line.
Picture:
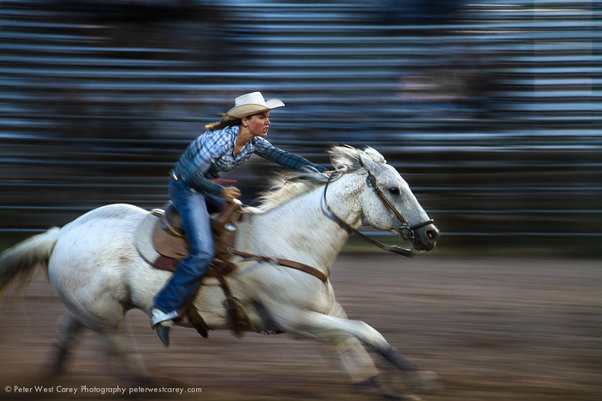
x,y
162,322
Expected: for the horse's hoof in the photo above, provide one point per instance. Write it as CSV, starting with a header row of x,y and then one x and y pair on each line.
x,y
56,366
376,388
423,381
144,380
410,397
371,383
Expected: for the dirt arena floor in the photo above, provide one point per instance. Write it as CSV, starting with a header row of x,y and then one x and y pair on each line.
x,y
493,328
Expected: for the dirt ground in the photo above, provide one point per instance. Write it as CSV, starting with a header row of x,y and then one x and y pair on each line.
x,y
493,328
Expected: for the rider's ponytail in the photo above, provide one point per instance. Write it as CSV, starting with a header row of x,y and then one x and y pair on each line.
x,y
220,124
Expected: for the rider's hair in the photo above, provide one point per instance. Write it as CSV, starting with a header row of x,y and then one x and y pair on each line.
x,y
220,125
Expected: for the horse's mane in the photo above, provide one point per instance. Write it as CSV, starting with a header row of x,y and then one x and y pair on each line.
x,y
287,185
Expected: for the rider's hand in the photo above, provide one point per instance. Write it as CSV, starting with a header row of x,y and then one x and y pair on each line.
x,y
230,193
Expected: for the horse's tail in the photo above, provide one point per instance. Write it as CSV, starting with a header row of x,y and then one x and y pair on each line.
x,y
22,260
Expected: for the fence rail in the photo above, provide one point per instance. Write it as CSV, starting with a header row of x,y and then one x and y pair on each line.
x,y
490,110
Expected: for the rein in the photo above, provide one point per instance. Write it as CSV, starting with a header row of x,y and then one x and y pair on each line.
x,y
371,182
408,231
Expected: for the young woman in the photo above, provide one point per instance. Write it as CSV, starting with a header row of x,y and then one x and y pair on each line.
x,y
224,146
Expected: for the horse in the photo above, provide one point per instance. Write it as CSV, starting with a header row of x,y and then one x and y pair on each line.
x,y
95,269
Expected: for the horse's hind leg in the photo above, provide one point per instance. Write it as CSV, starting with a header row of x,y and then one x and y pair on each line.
x,y
114,344
120,361
67,329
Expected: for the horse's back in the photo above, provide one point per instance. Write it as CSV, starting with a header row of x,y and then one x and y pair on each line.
x,y
115,211
102,232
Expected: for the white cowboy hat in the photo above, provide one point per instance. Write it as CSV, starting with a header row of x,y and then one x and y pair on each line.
x,y
249,104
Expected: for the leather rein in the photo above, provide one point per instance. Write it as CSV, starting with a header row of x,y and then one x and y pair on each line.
x,y
406,230
371,181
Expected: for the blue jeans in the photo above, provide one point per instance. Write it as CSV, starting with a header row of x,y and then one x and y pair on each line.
x,y
194,209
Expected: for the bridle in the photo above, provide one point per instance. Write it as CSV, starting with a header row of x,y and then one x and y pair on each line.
x,y
407,231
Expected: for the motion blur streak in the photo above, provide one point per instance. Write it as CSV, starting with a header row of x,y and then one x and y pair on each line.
x,y
491,110
483,106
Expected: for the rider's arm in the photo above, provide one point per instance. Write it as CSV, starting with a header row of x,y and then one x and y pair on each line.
x,y
295,162
202,184
197,159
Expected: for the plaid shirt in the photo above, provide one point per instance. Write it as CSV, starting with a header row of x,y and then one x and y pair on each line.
x,y
212,153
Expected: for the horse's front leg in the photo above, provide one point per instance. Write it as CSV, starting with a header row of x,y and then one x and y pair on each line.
x,y
341,331
352,355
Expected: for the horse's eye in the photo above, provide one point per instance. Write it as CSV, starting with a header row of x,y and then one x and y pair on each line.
x,y
394,191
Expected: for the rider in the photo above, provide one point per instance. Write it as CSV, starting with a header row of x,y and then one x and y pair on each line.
x,y
225,145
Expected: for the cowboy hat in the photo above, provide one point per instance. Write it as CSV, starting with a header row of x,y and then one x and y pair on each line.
x,y
249,104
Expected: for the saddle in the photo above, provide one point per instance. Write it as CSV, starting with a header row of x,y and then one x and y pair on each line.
x,y
169,241
161,241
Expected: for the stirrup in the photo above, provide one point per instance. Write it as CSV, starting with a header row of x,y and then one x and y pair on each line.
x,y
162,318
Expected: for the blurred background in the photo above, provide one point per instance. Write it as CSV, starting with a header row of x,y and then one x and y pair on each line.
x,y
491,109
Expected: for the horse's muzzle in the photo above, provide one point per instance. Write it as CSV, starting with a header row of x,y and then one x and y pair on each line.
x,y
425,237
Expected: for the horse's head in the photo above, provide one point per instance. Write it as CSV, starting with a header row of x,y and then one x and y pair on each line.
x,y
386,200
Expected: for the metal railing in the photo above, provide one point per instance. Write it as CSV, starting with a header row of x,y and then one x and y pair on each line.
x,y
491,112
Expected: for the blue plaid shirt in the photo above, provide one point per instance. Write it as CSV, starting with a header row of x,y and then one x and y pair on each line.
x,y
212,153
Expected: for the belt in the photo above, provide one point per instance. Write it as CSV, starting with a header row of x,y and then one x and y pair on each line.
x,y
174,176
177,177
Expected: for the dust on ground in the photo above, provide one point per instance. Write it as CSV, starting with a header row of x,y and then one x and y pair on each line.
x,y
493,328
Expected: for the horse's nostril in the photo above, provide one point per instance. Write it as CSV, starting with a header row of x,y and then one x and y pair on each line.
x,y
431,234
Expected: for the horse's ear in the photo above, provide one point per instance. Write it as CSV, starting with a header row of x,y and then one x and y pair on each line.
x,y
374,155
366,161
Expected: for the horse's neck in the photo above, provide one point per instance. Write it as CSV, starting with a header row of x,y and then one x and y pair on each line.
x,y
302,229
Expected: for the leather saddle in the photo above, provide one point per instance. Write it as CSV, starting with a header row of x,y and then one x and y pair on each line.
x,y
162,242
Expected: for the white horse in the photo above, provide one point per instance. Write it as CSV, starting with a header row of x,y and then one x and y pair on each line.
x,y
97,272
